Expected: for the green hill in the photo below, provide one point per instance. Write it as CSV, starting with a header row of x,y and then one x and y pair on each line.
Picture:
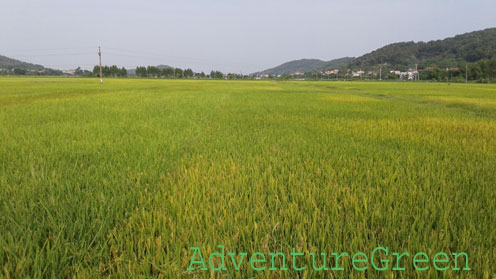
x,y
306,65
454,51
450,52
9,63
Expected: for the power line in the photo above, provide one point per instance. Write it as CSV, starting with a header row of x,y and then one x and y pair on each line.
x,y
54,54
122,52
153,55
78,64
45,49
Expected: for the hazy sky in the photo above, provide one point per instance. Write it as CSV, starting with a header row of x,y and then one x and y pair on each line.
x,y
227,35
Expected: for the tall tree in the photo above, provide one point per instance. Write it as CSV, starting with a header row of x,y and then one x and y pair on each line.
x,y
141,72
114,71
178,73
96,71
122,72
168,72
153,71
188,73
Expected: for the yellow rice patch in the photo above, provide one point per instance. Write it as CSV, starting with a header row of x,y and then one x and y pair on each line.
x,y
348,99
461,100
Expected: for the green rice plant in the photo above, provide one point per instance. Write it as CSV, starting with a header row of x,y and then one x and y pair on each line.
x,y
121,180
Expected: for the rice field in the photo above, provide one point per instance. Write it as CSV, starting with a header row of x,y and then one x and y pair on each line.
x,y
121,180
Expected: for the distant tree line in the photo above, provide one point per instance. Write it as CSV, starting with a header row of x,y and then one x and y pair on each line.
x,y
44,72
27,72
82,73
155,72
167,72
482,71
112,71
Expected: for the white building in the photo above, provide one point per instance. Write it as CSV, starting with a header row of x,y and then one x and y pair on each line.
x,y
412,74
331,72
297,74
357,73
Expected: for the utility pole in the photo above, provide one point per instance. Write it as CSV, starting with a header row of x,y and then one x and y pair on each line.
x,y
100,60
416,72
466,73
380,70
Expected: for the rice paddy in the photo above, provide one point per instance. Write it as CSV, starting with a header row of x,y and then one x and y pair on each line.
x,y
121,180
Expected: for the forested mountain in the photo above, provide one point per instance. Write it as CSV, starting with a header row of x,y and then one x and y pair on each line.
x,y
450,52
337,63
302,65
9,63
306,65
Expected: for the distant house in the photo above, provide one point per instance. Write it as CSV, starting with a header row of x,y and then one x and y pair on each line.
x,y
331,72
262,76
297,74
357,73
402,75
71,72
412,73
